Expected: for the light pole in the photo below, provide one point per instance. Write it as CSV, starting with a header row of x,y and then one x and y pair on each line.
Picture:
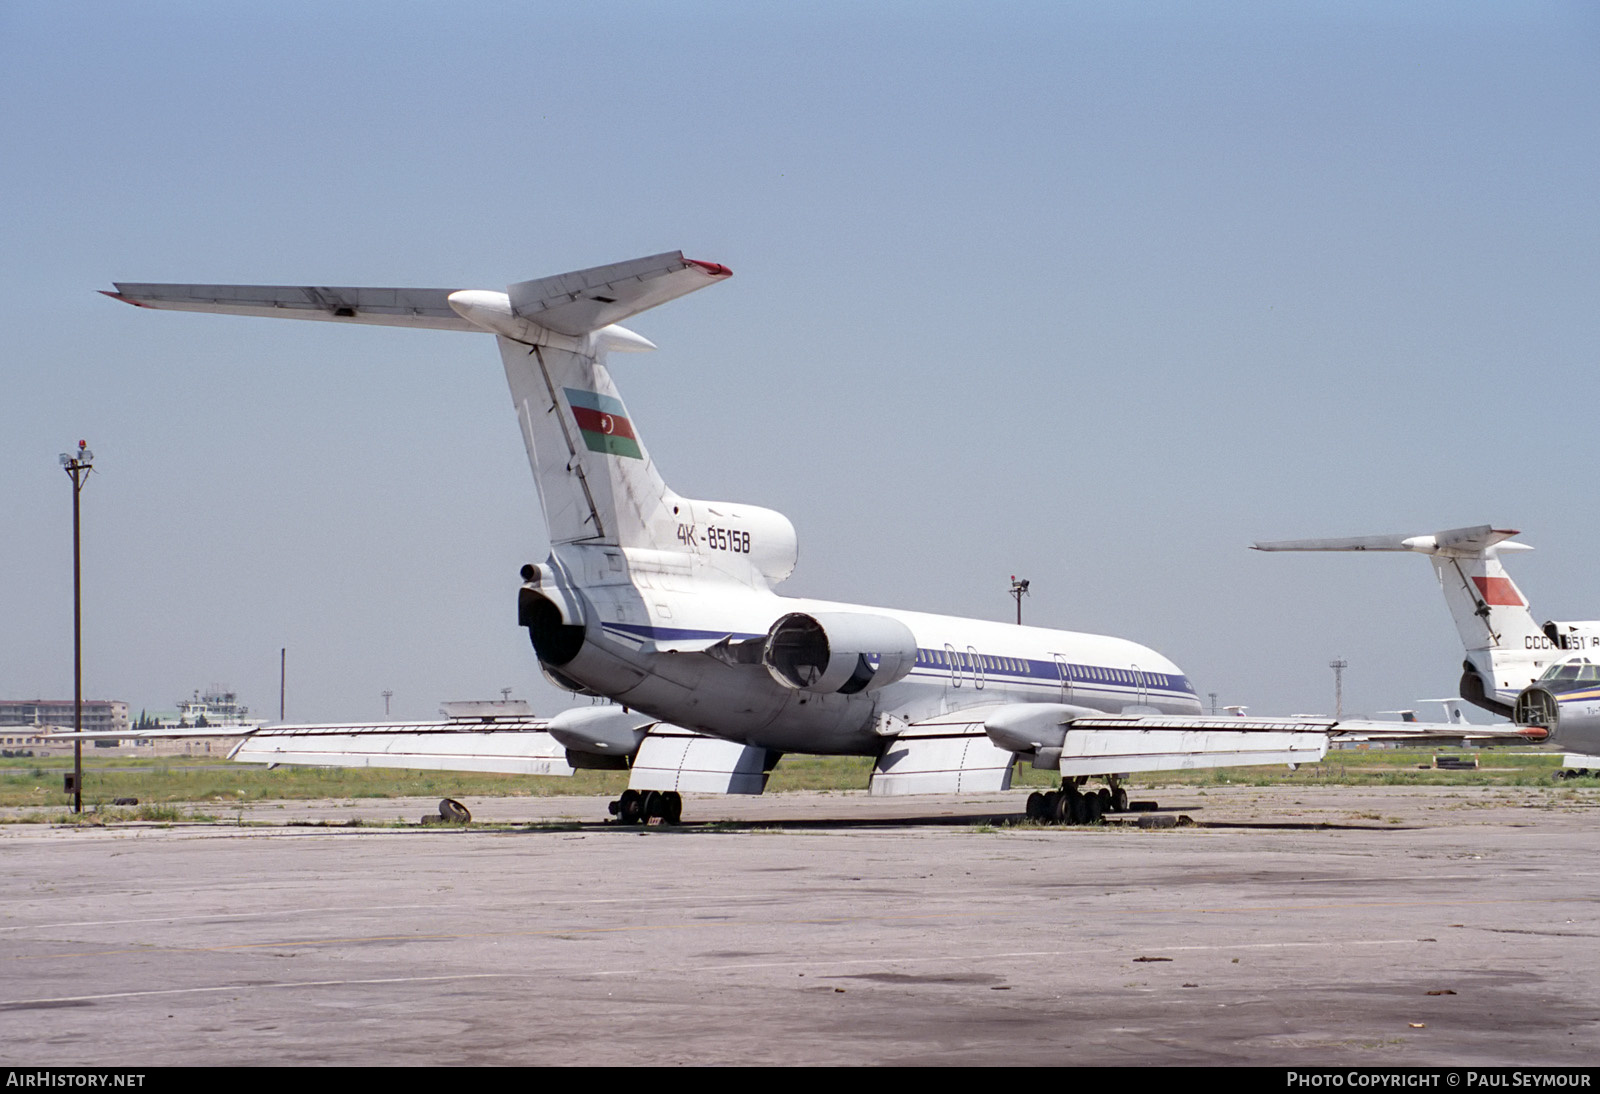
x,y
78,466
1338,666
1019,589
387,695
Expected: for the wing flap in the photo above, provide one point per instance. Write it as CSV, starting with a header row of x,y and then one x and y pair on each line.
x,y
949,755
672,758
515,748
1120,751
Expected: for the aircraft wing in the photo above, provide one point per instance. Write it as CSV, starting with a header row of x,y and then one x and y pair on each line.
x,y
1105,746
521,747
1077,743
516,746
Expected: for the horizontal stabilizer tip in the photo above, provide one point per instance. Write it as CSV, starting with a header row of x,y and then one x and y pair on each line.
x,y
586,300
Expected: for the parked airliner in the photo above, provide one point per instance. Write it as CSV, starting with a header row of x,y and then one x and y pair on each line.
x,y
667,605
1542,676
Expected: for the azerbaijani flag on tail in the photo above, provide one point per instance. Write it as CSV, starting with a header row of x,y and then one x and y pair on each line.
x,y
604,423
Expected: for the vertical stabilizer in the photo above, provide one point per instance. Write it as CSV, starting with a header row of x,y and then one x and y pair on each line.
x,y
596,480
597,483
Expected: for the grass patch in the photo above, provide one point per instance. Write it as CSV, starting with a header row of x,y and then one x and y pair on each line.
x,y
174,779
165,782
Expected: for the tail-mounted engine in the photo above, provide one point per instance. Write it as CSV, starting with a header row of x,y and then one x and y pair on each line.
x,y
1472,689
553,616
843,652
1583,635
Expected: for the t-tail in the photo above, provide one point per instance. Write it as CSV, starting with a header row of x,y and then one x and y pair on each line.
x,y
597,483
1506,650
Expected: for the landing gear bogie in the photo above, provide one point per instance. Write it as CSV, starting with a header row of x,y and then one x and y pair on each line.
x,y
645,807
1073,804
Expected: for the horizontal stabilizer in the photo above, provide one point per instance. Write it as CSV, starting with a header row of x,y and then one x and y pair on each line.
x,y
428,308
586,300
1462,541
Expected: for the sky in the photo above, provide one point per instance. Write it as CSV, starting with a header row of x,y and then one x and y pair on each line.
x,y
1092,294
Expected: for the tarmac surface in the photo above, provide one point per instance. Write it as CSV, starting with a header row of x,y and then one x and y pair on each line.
x,y
1289,926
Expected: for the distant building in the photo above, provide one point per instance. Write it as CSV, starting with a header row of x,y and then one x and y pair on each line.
x,y
26,725
99,715
218,707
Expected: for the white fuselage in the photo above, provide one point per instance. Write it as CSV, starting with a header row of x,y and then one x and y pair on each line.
x,y
631,630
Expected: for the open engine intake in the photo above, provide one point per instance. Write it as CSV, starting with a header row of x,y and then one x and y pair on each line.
x,y
556,636
839,652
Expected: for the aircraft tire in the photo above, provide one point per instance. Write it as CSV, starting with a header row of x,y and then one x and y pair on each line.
x,y
626,808
1119,800
1093,807
672,807
1059,807
1036,806
1080,809
454,811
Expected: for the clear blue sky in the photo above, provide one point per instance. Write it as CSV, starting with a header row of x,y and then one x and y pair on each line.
x,y
1096,294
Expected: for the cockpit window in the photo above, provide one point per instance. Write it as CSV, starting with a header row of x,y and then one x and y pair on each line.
x,y
1572,672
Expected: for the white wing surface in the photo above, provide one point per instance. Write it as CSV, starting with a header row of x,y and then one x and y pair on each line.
x,y
951,754
587,300
513,747
427,308
673,758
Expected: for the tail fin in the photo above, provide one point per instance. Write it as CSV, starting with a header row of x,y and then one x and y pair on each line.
x,y
1506,649
597,483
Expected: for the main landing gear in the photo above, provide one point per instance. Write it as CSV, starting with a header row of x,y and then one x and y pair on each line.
x,y
647,806
1074,805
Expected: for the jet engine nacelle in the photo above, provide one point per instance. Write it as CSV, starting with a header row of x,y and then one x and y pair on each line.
x,y
843,652
554,616
1582,635
1573,724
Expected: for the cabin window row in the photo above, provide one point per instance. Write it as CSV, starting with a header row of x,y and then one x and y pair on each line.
x,y
964,662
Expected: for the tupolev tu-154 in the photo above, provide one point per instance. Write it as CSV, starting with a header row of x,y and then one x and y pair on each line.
x,y
666,605
1544,677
